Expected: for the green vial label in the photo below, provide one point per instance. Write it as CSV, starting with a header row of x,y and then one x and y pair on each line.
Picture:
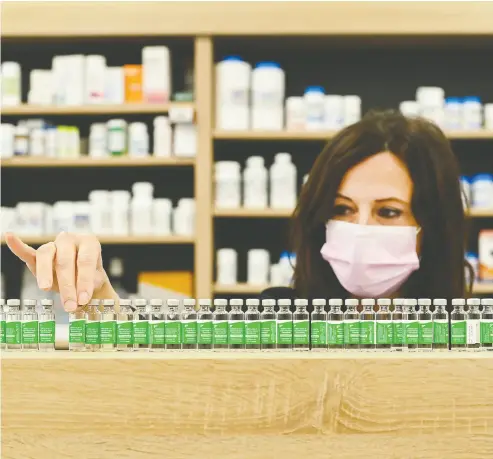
x,y
397,332
173,332
108,332
285,332
335,333
47,332
440,331
156,332
351,331
77,331
30,330
459,335
252,332
318,333
93,332
301,332
204,331
384,332
189,332
124,332
13,332
141,332
237,332
367,332
2,331
268,331
220,331
411,331
425,335
487,331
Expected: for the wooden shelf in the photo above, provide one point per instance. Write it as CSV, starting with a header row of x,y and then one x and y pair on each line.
x,y
488,213
253,213
86,161
114,240
100,109
483,288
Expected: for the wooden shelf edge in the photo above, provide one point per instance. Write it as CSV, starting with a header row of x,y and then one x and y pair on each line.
x,y
85,161
477,213
482,288
253,213
113,240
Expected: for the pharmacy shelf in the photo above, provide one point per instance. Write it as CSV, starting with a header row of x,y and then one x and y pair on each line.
x,y
483,288
116,240
253,213
477,213
99,109
92,162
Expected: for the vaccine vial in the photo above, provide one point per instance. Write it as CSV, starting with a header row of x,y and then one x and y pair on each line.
x,y
367,325
458,329
125,327
236,325
351,325
220,325
204,325
189,325
397,325
173,326
440,320
301,326
252,325
2,324
473,321
335,325
410,325
284,325
383,325
93,326
156,325
30,326
108,326
47,326
318,329
141,326
13,325
268,322
425,325
487,324
77,330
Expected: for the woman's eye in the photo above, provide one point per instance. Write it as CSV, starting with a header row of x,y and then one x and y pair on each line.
x,y
341,210
389,212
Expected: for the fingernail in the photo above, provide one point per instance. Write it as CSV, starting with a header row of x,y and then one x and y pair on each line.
x,y
70,305
83,298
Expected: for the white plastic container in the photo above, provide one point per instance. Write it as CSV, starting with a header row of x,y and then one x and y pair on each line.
x,y
232,94
8,219
409,108
255,183
485,246
184,217
7,135
258,267
74,84
161,216
51,141
352,110
73,142
30,218
120,212
82,217
95,79
40,87
162,137
226,267
283,193
268,87
334,112
11,84
114,92
482,191
227,178
63,216
314,98
117,137
138,140
295,113
472,114
98,141
453,114
185,140
21,140
276,278
431,102
37,142
156,74
488,116
101,209
141,209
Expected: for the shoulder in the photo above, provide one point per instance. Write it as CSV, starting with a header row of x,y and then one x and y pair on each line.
x,y
277,293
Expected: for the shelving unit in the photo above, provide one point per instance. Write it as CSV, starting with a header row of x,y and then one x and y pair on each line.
x,y
116,240
85,161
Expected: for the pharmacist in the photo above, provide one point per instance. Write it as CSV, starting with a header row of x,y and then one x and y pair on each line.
x,y
380,216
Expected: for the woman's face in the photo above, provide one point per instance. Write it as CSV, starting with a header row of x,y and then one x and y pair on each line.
x,y
377,191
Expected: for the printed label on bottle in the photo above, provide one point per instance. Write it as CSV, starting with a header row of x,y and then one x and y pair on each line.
x,y
268,331
440,331
425,335
77,331
384,332
189,331
487,331
367,332
2,331
204,331
108,332
397,332
335,333
124,332
351,331
157,332
237,332
459,332
47,331
285,332
318,333
30,330
411,331
141,332
93,332
220,332
13,332
301,332
473,331
173,332
252,332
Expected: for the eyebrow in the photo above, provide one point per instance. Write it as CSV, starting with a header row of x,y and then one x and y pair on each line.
x,y
392,198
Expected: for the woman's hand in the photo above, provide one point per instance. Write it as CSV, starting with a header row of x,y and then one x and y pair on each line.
x,y
71,265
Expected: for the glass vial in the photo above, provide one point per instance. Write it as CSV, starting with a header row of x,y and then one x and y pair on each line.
x,y
93,326
367,325
284,325
383,325
410,325
252,325
204,325
440,318
125,327
487,324
458,329
189,325
397,325
108,326
473,324
141,326
47,326
30,326
425,325
351,325
335,325
77,330
318,328
13,325
173,326
157,325
220,325
268,321
2,324
236,325
301,326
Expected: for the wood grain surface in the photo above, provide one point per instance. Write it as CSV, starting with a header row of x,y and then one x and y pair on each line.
x,y
190,405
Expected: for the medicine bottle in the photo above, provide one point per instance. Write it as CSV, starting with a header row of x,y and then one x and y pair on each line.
x,y
21,140
453,114
184,217
161,216
255,178
482,191
333,112
228,188
283,194
11,84
141,209
101,210
409,108
120,212
7,135
351,110
472,117
431,102
117,137
226,266
98,143
314,98
258,267
295,114
162,137
138,144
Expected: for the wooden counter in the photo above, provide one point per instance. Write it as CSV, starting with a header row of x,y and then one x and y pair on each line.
x,y
225,405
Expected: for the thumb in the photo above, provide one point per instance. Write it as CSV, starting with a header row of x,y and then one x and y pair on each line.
x,y
22,251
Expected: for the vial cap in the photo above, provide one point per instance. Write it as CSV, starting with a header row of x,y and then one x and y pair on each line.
x,y
319,89
398,301
236,302
268,302
2,302
189,302
472,99
220,302
13,302
487,301
367,302
126,302
410,302
173,302
108,302
140,302
205,302
351,302
94,302
233,59
267,64
424,301
458,302
29,302
335,302
319,302
473,301
300,302
482,178
252,302
384,302
440,302
284,302
156,302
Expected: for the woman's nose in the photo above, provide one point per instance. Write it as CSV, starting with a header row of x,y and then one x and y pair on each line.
x,y
366,217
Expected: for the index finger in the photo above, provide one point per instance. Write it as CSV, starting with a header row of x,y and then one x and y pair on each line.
x,y
66,250
88,255
22,251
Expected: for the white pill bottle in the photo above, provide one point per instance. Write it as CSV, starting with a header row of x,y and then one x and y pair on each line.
x,y
283,175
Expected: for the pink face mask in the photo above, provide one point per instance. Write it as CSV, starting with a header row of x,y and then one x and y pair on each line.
x,y
370,260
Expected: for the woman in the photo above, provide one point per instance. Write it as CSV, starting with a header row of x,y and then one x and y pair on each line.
x,y
381,215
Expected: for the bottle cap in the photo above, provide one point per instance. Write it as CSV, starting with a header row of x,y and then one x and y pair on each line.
x,y
424,301
46,302
384,302
440,302
351,302
367,302
284,302
205,302
189,302
108,302
173,302
267,64
458,302
335,302
236,302
318,89
220,302
268,302
140,302
300,302
473,301
252,302
320,302
410,302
